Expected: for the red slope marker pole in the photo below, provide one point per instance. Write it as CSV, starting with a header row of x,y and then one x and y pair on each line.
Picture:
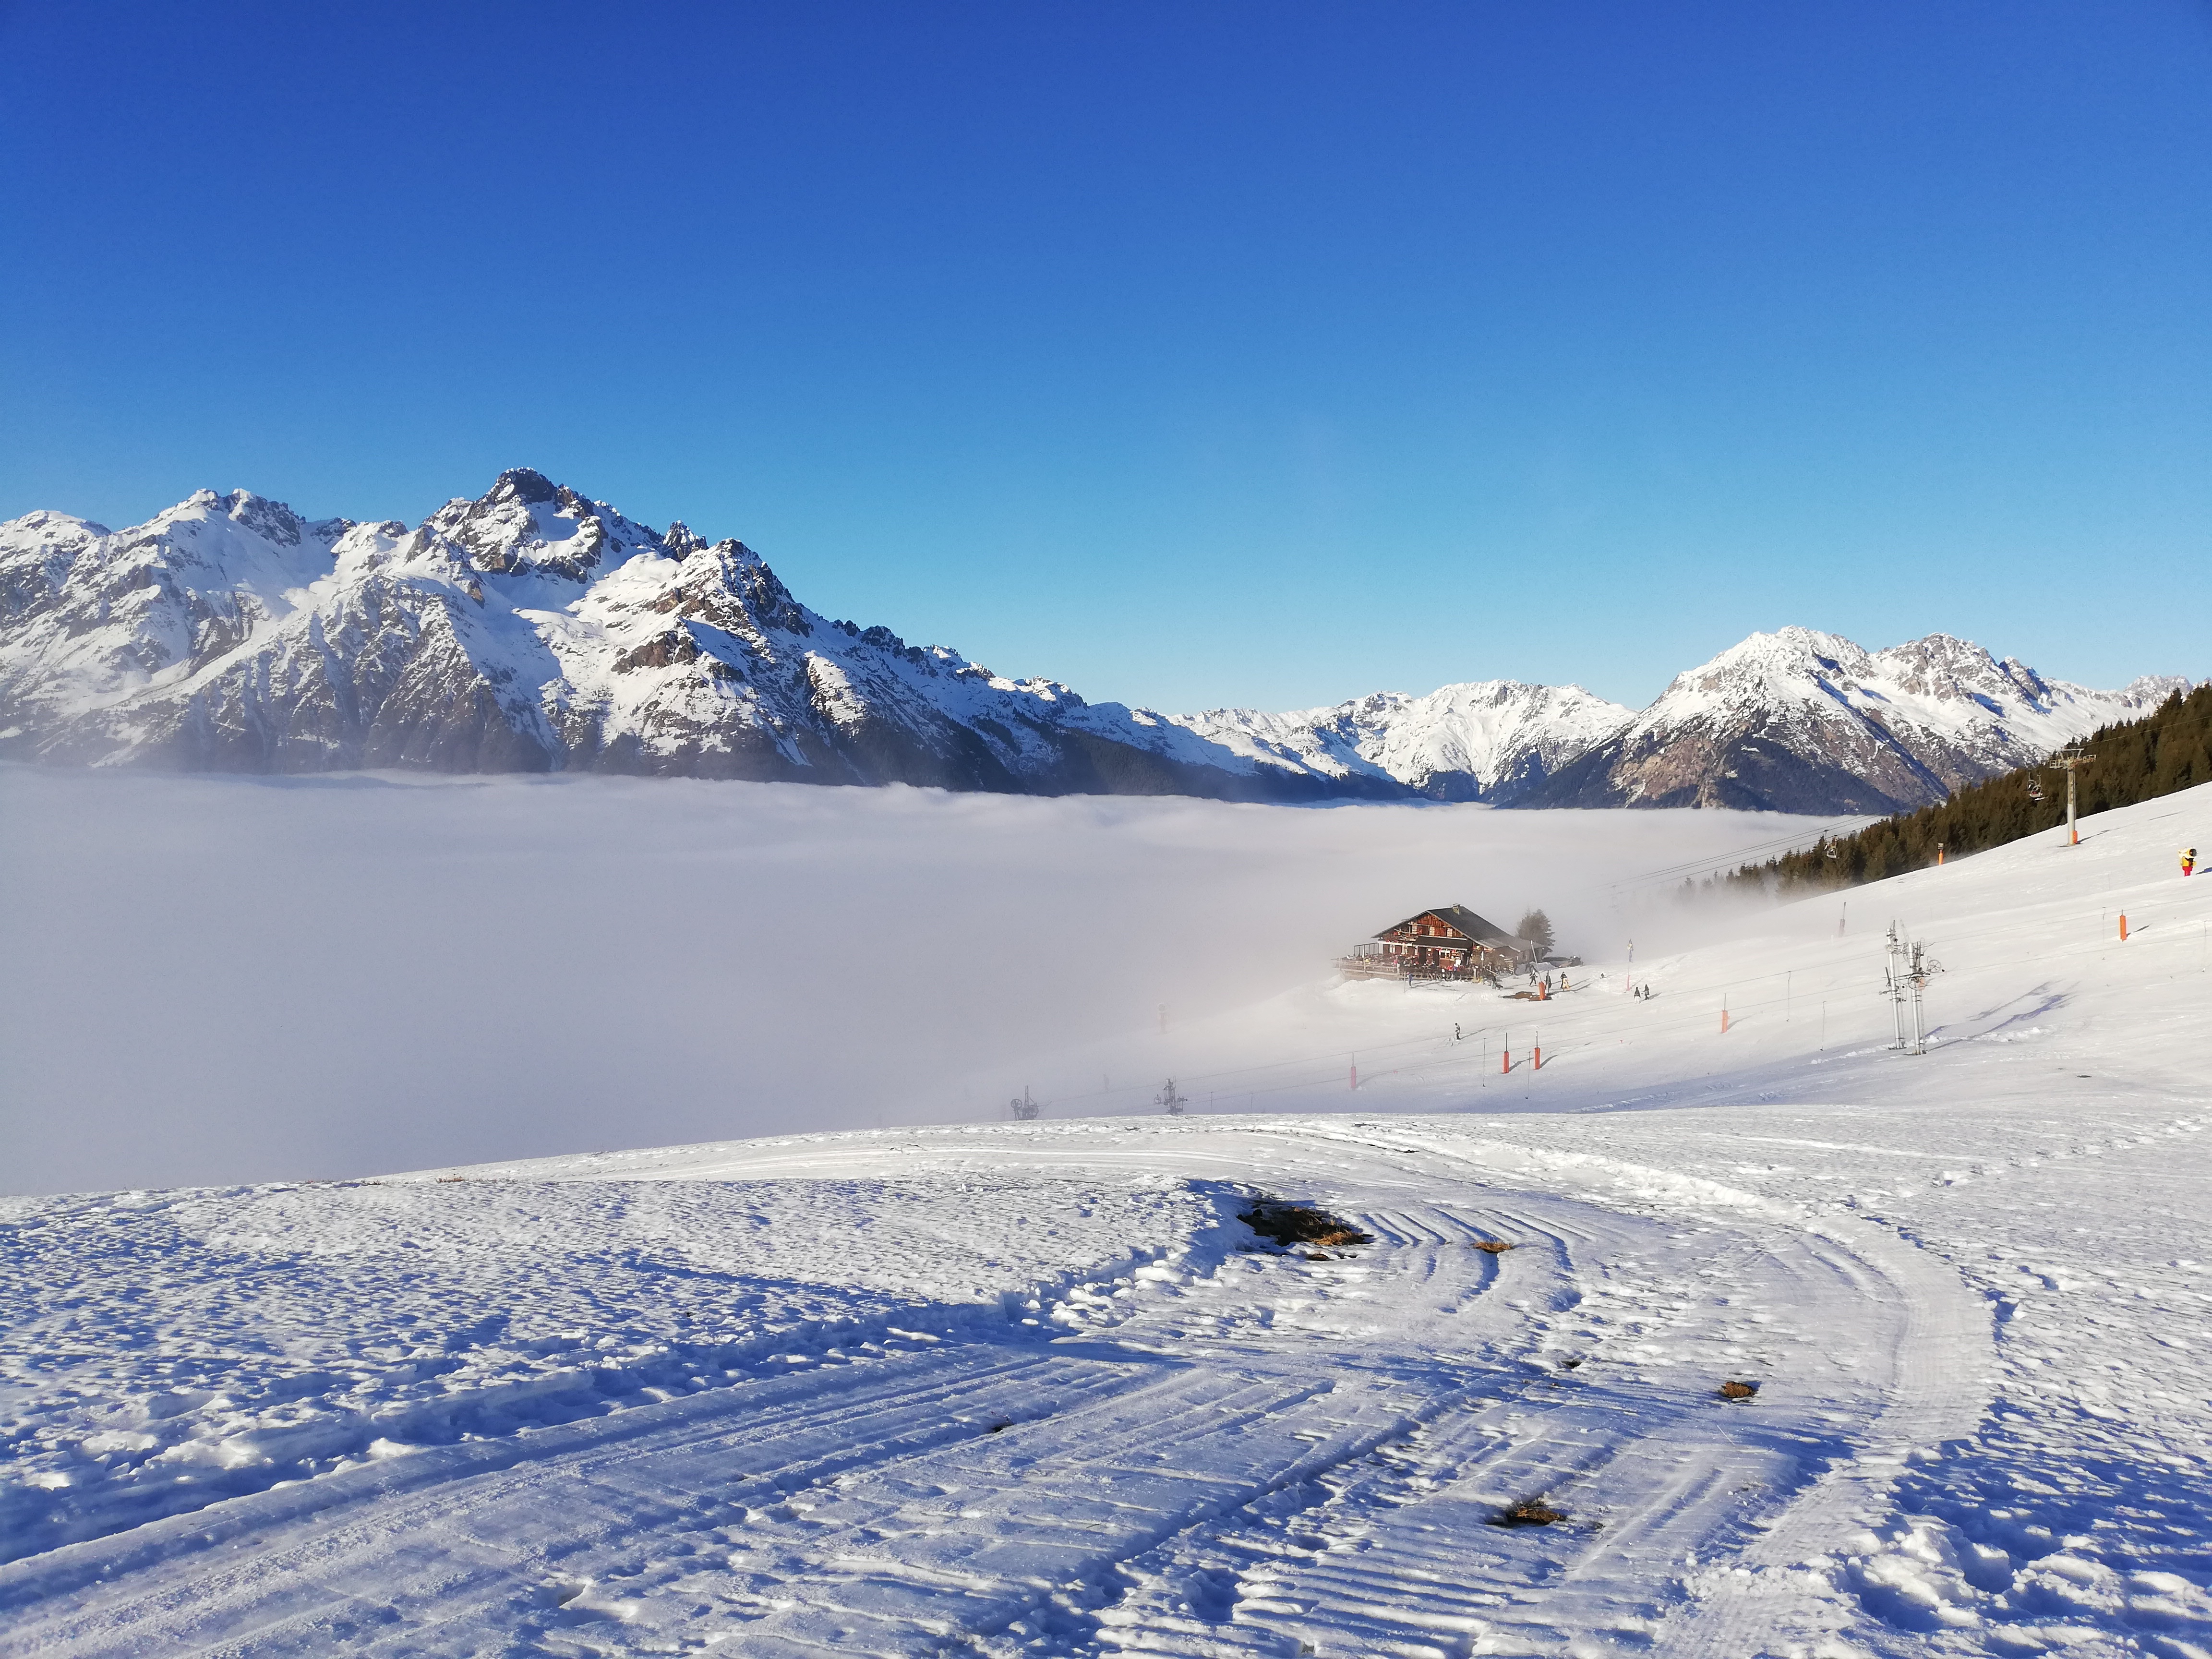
x,y
1723,1015
2124,928
1504,1052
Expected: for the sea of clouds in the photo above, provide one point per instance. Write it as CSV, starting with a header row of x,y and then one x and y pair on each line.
x,y
217,979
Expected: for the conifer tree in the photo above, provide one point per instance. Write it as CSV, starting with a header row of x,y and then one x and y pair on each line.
x,y
2138,760
1536,928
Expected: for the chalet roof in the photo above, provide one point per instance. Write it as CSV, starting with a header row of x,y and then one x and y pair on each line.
x,y
1463,921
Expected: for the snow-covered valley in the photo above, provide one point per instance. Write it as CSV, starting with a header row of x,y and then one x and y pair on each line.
x,y
1002,1389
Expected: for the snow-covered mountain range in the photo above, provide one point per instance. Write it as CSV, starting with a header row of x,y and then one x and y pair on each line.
x,y
532,629
1801,721
1494,740
528,630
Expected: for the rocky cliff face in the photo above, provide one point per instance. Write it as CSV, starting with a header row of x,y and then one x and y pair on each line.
x,y
1800,721
532,629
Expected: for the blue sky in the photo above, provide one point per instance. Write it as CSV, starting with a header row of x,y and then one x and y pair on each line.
x,y
1192,354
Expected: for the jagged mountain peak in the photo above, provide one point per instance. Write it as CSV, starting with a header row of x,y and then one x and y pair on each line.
x,y
1793,664
527,525
1759,661
270,521
1945,667
528,485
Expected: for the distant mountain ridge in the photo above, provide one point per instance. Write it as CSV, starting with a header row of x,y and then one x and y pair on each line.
x,y
532,629
1801,721
1490,740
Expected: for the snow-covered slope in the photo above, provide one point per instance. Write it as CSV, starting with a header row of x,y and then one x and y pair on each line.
x,y
1493,740
1012,1390
1801,721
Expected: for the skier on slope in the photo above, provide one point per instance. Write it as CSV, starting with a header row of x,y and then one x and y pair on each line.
x,y
2188,863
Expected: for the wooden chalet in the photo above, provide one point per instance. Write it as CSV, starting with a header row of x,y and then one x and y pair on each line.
x,y
1449,942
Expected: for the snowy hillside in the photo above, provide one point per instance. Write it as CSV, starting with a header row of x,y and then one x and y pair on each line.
x,y
1008,1389
535,630
1797,720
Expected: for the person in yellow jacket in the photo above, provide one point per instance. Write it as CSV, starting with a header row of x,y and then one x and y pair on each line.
x,y
2188,862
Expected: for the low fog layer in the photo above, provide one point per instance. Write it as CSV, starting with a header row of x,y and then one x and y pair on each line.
x,y
210,981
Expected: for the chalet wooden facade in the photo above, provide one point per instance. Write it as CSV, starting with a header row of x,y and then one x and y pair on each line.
x,y
1449,942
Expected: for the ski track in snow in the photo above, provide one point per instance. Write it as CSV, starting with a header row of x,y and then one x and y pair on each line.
x,y
1082,1494
1034,1390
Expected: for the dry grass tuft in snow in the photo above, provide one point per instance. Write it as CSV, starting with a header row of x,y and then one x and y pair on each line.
x,y
1494,1246
1733,1389
1302,1224
1528,1512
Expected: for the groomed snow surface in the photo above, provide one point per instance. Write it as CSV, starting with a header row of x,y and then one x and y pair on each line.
x,y
1036,1389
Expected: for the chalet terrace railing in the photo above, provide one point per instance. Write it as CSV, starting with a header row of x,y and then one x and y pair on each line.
x,y
1369,961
